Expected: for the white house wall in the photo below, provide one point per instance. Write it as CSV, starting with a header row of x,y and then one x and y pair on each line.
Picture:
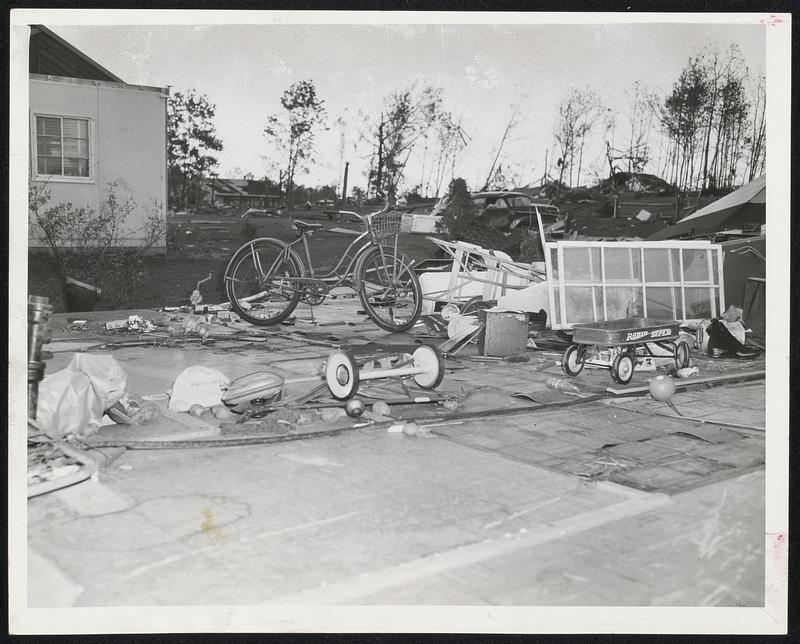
x,y
127,144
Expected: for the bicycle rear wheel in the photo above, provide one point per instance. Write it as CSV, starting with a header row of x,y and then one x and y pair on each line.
x,y
389,289
259,282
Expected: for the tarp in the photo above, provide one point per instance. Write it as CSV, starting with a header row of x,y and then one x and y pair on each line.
x,y
747,205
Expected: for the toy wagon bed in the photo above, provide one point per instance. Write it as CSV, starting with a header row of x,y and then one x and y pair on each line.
x,y
620,345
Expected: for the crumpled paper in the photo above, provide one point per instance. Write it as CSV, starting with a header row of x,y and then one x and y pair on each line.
x,y
197,385
73,400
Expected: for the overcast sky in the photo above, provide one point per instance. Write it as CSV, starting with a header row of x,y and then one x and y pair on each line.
x,y
482,70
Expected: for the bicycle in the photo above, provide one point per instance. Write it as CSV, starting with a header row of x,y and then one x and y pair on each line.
x,y
267,278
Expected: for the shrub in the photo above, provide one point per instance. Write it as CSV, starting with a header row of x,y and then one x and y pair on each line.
x,y
94,247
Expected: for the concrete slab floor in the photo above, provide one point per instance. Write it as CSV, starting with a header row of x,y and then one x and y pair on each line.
x,y
306,521
496,516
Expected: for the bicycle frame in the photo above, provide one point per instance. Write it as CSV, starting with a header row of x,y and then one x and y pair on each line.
x,y
335,277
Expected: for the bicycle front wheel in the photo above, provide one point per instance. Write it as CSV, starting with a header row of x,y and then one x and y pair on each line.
x,y
260,284
389,289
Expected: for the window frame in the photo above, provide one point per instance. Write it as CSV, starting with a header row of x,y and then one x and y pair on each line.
x,y
61,178
601,284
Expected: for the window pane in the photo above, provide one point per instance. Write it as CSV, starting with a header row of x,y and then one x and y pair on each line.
x,y
695,265
582,265
698,303
76,167
49,165
578,301
576,265
78,128
48,146
622,302
714,268
657,266
556,313
663,302
48,126
76,148
622,264
554,263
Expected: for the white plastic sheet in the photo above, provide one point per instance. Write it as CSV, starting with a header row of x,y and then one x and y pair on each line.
x,y
73,400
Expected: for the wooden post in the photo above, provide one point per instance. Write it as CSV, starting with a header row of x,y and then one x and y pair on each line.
x,y
344,184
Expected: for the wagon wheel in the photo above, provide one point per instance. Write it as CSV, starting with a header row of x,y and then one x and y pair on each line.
x,y
681,355
622,369
573,360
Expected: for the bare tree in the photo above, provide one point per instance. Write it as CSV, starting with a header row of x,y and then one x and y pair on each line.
x,y
633,152
452,141
405,119
756,137
512,123
577,116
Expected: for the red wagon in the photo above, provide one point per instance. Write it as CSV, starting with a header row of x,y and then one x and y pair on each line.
x,y
620,345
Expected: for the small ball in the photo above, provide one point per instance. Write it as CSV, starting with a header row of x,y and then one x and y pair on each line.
x,y
354,407
662,388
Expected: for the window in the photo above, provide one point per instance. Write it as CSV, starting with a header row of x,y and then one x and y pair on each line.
x,y
598,281
62,146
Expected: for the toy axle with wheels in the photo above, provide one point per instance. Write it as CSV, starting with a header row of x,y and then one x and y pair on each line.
x,y
343,374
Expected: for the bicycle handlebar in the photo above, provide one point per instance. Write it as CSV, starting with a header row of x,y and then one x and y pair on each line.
x,y
385,208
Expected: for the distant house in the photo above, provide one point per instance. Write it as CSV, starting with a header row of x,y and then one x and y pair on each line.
x,y
243,193
89,128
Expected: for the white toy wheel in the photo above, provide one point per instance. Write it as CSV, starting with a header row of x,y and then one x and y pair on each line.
x,y
341,374
429,360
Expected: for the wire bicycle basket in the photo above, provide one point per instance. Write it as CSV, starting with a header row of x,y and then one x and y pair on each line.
x,y
384,226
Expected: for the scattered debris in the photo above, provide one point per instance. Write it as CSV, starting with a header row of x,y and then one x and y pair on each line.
x,y
197,410
132,323
222,412
562,384
331,414
380,408
130,411
450,405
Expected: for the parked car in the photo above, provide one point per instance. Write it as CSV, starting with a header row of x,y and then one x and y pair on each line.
x,y
507,210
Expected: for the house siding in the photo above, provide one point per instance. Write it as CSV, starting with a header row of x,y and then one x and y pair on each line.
x,y
127,144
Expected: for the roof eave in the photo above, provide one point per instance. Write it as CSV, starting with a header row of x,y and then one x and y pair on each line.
x,y
77,52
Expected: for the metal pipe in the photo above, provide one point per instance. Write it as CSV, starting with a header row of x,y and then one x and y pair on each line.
x,y
373,374
39,310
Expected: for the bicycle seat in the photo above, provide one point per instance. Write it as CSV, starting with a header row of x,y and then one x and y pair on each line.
x,y
304,227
